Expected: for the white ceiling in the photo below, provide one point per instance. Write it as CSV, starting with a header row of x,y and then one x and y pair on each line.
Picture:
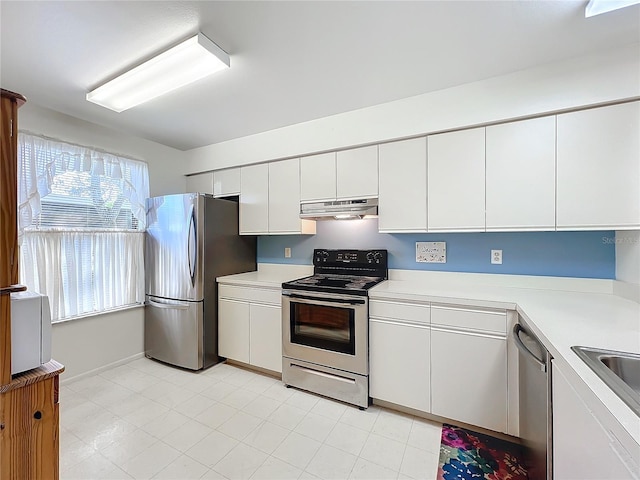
x,y
291,61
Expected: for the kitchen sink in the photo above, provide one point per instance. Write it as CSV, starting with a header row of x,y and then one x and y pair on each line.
x,y
619,370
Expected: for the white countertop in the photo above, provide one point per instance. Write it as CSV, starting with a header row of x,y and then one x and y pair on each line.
x,y
268,275
560,319
561,312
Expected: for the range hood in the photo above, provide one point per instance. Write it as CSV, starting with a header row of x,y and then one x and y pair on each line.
x,y
340,210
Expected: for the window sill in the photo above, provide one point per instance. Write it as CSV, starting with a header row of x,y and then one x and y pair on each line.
x,y
95,314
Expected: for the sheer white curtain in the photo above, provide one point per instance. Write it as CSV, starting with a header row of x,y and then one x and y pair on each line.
x,y
81,224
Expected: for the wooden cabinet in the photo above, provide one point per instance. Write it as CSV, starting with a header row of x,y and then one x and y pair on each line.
x,y
201,183
29,416
469,354
318,177
403,186
582,447
284,199
521,175
399,359
254,199
357,173
455,175
250,325
226,183
598,155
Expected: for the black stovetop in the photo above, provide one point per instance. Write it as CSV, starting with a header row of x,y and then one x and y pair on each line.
x,y
343,271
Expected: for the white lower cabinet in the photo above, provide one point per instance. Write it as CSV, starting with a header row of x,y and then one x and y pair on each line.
x,y
469,365
399,363
265,336
399,339
469,378
582,447
250,326
233,330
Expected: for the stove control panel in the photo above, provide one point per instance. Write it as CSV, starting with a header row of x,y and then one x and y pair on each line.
x,y
350,258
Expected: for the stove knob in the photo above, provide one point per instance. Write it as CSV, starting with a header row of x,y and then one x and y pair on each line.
x,y
370,257
324,255
377,256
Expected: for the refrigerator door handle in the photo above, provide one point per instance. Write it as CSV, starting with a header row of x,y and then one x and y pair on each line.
x,y
175,306
191,244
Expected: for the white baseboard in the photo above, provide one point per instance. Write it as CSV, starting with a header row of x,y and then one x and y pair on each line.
x,y
95,371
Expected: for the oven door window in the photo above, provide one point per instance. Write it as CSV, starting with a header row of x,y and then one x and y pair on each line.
x,y
328,328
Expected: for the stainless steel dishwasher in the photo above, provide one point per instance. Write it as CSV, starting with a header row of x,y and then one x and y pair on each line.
x,y
536,422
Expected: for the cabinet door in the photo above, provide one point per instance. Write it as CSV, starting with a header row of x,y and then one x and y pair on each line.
x,y
357,173
254,199
399,363
29,444
581,446
233,330
456,180
266,337
599,168
469,378
318,177
201,183
403,186
284,196
226,183
521,175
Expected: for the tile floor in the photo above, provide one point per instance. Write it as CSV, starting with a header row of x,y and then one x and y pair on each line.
x,y
147,420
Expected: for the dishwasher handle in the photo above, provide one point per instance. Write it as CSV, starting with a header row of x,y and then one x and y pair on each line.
x,y
517,328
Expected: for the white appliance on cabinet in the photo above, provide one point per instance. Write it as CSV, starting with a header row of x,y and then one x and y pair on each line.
x,y
30,331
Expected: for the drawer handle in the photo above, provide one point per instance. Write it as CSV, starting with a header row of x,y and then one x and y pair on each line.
x,y
37,415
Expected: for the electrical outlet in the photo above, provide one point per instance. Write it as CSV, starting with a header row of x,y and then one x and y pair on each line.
x,y
496,257
287,252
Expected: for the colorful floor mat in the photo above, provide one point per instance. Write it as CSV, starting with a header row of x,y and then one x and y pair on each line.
x,y
465,454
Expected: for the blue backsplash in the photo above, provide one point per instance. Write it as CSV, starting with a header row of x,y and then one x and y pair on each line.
x,y
557,254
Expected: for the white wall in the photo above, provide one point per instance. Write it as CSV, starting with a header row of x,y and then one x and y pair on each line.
x,y
165,163
628,264
590,80
89,343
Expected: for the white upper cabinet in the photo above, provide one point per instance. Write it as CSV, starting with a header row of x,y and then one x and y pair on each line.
x,y
201,183
284,198
456,181
226,183
318,177
599,168
357,173
403,186
521,175
254,199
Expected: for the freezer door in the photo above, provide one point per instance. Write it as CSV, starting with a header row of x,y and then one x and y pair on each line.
x,y
173,332
174,247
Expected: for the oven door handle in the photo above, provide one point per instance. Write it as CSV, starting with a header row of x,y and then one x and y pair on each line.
x,y
328,300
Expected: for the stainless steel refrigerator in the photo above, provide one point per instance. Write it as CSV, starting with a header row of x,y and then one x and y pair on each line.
x,y
191,239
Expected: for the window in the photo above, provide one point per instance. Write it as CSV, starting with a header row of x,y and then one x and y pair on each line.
x,y
81,223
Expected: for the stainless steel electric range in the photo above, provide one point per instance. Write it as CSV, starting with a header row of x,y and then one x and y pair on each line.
x,y
325,324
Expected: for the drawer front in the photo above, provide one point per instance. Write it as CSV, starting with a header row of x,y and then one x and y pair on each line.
x,y
410,312
485,320
254,295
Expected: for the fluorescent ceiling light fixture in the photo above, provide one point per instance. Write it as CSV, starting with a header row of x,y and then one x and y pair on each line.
x,y
185,63
596,7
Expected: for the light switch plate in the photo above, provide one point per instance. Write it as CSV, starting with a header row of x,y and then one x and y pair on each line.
x,y
431,252
287,252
